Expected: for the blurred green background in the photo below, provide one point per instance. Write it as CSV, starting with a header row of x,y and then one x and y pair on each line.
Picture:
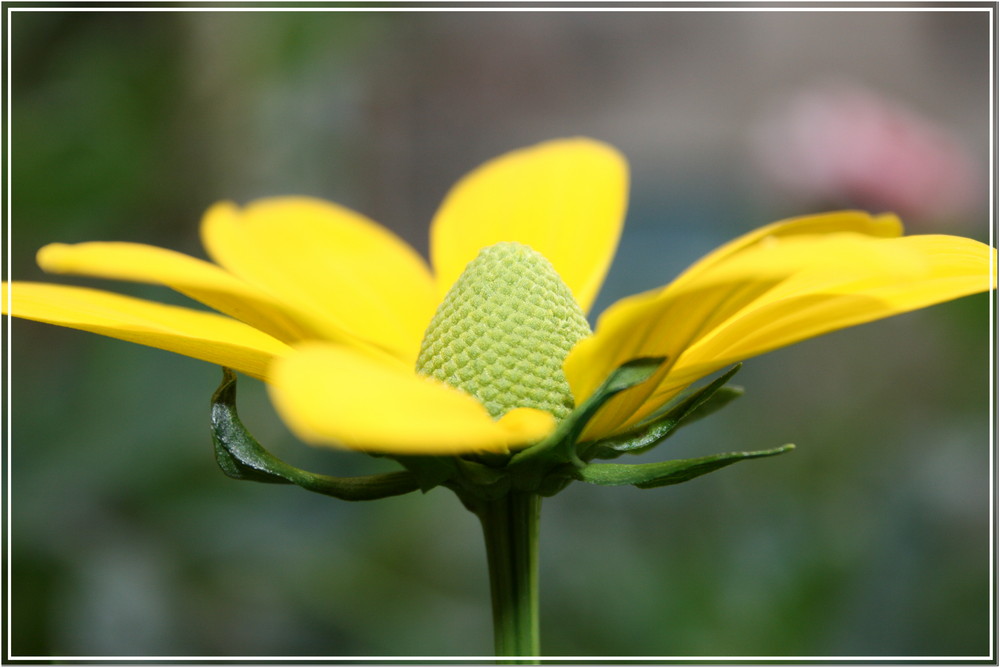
x,y
871,539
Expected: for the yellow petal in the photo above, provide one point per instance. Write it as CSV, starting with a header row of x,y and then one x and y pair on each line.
x,y
321,258
809,304
565,198
335,396
884,225
653,324
200,280
766,296
205,336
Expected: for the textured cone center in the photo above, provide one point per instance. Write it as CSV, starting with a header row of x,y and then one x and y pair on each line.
x,y
503,330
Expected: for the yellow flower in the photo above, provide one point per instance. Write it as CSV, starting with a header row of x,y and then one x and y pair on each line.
x,y
331,309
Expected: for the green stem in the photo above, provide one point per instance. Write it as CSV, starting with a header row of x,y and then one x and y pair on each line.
x,y
510,526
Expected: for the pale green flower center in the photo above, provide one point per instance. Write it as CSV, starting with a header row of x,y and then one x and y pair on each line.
x,y
503,330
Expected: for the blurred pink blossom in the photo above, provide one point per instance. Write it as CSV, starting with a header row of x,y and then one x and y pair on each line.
x,y
846,146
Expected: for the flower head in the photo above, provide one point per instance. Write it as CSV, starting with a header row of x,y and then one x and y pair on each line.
x,y
365,346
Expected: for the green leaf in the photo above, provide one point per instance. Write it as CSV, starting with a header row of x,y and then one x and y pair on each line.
x,y
240,456
645,476
702,402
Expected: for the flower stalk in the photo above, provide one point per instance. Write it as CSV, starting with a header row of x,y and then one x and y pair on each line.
x,y
510,528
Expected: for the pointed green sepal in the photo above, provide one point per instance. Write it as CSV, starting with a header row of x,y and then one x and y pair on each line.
x,y
702,402
429,472
531,464
240,456
645,476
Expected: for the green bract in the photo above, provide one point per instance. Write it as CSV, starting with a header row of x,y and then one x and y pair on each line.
x,y
543,468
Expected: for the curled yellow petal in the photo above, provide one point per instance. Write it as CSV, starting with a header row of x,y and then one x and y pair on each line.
x,y
859,222
335,396
809,305
205,336
775,292
565,199
324,259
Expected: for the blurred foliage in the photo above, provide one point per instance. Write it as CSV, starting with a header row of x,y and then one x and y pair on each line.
x,y
872,539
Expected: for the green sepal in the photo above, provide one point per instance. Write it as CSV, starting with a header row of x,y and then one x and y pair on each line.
x,y
646,476
241,457
429,472
719,400
531,465
702,402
